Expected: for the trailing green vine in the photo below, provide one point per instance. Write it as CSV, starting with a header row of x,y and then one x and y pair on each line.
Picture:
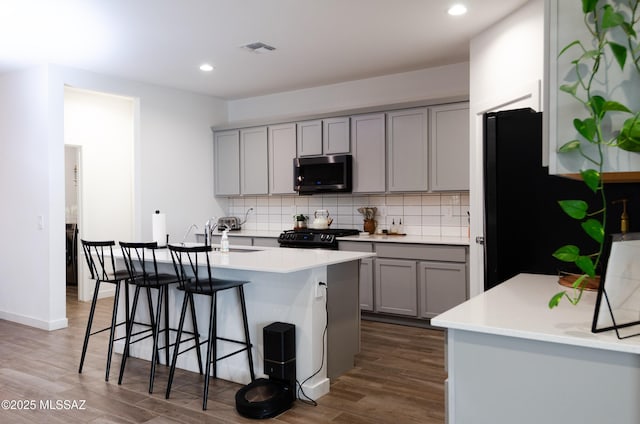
x,y
607,21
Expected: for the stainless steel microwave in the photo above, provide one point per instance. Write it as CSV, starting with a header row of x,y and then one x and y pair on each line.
x,y
322,174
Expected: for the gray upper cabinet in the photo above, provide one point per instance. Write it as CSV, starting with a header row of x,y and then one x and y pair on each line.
x,y
226,146
282,151
253,161
450,147
408,150
368,149
310,138
335,136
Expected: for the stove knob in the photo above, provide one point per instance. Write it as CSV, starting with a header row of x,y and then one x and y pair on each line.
x,y
329,238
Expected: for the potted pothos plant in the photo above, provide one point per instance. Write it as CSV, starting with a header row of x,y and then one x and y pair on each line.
x,y
613,26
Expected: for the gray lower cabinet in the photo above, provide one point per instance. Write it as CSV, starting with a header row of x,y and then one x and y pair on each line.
x,y
366,284
395,287
442,285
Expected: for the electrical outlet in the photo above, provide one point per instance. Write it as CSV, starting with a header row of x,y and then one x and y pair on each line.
x,y
319,290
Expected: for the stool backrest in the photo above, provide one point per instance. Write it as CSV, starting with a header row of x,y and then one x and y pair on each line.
x,y
140,260
192,263
99,256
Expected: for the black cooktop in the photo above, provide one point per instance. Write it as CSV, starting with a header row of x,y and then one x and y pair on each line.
x,y
314,238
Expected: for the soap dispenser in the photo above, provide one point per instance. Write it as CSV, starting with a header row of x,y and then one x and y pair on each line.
x,y
624,218
224,241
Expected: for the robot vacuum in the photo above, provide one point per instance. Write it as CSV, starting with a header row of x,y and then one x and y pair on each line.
x,y
266,398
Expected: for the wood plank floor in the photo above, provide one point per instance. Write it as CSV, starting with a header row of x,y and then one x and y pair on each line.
x,y
398,378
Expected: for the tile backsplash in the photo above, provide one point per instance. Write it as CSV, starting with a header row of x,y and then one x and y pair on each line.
x,y
428,214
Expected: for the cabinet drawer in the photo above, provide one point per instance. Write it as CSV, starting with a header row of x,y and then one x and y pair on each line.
x,y
428,252
265,241
355,246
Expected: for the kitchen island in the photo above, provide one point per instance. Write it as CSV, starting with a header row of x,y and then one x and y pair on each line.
x,y
510,359
284,286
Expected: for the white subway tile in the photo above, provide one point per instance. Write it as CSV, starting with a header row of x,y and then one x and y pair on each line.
x,y
431,199
412,200
412,210
394,199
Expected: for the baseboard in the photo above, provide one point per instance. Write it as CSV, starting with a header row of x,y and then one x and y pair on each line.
x,y
35,322
398,320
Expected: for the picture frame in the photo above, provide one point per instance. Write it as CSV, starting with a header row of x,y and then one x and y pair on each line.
x,y
618,301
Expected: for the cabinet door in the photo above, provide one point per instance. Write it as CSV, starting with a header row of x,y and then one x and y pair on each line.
x,y
226,145
310,138
368,148
450,147
396,287
282,151
443,285
254,175
335,136
366,284
408,150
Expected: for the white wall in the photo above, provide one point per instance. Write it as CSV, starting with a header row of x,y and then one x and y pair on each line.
x,y
173,154
426,84
32,279
507,63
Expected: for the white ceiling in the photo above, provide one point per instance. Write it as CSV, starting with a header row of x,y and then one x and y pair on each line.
x,y
317,42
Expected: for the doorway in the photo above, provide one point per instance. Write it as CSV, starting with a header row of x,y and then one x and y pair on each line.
x,y
71,184
99,128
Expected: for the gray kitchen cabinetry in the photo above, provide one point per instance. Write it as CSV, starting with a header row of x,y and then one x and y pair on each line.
x,y
408,150
418,281
309,138
328,136
395,287
449,158
442,285
366,284
282,151
335,136
368,149
254,174
366,272
226,145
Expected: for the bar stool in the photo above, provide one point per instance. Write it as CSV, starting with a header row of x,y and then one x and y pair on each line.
x,y
99,256
140,259
193,269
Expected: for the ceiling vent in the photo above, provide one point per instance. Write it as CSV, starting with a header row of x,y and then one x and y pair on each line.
x,y
259,47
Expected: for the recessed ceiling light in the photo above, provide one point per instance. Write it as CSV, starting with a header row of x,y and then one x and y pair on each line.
x,y
457,10
206,67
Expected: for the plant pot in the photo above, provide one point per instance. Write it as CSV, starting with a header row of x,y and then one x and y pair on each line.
x,y
370,226
567,279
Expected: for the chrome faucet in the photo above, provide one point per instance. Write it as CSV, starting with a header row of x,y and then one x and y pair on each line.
x,y
209,228
191,227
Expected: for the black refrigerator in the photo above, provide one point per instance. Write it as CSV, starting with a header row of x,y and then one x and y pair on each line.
x,y
524,224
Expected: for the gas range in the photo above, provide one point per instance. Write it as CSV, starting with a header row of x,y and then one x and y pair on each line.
x,y
323,239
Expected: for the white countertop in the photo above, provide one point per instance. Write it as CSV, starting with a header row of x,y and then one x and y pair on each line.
x,y
266,259
384,238
461,241
518,308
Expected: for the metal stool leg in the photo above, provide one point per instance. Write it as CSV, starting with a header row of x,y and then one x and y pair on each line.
x,y
210,346
112,332
195,331
246,331
87,333
156,336
176,348
125,354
